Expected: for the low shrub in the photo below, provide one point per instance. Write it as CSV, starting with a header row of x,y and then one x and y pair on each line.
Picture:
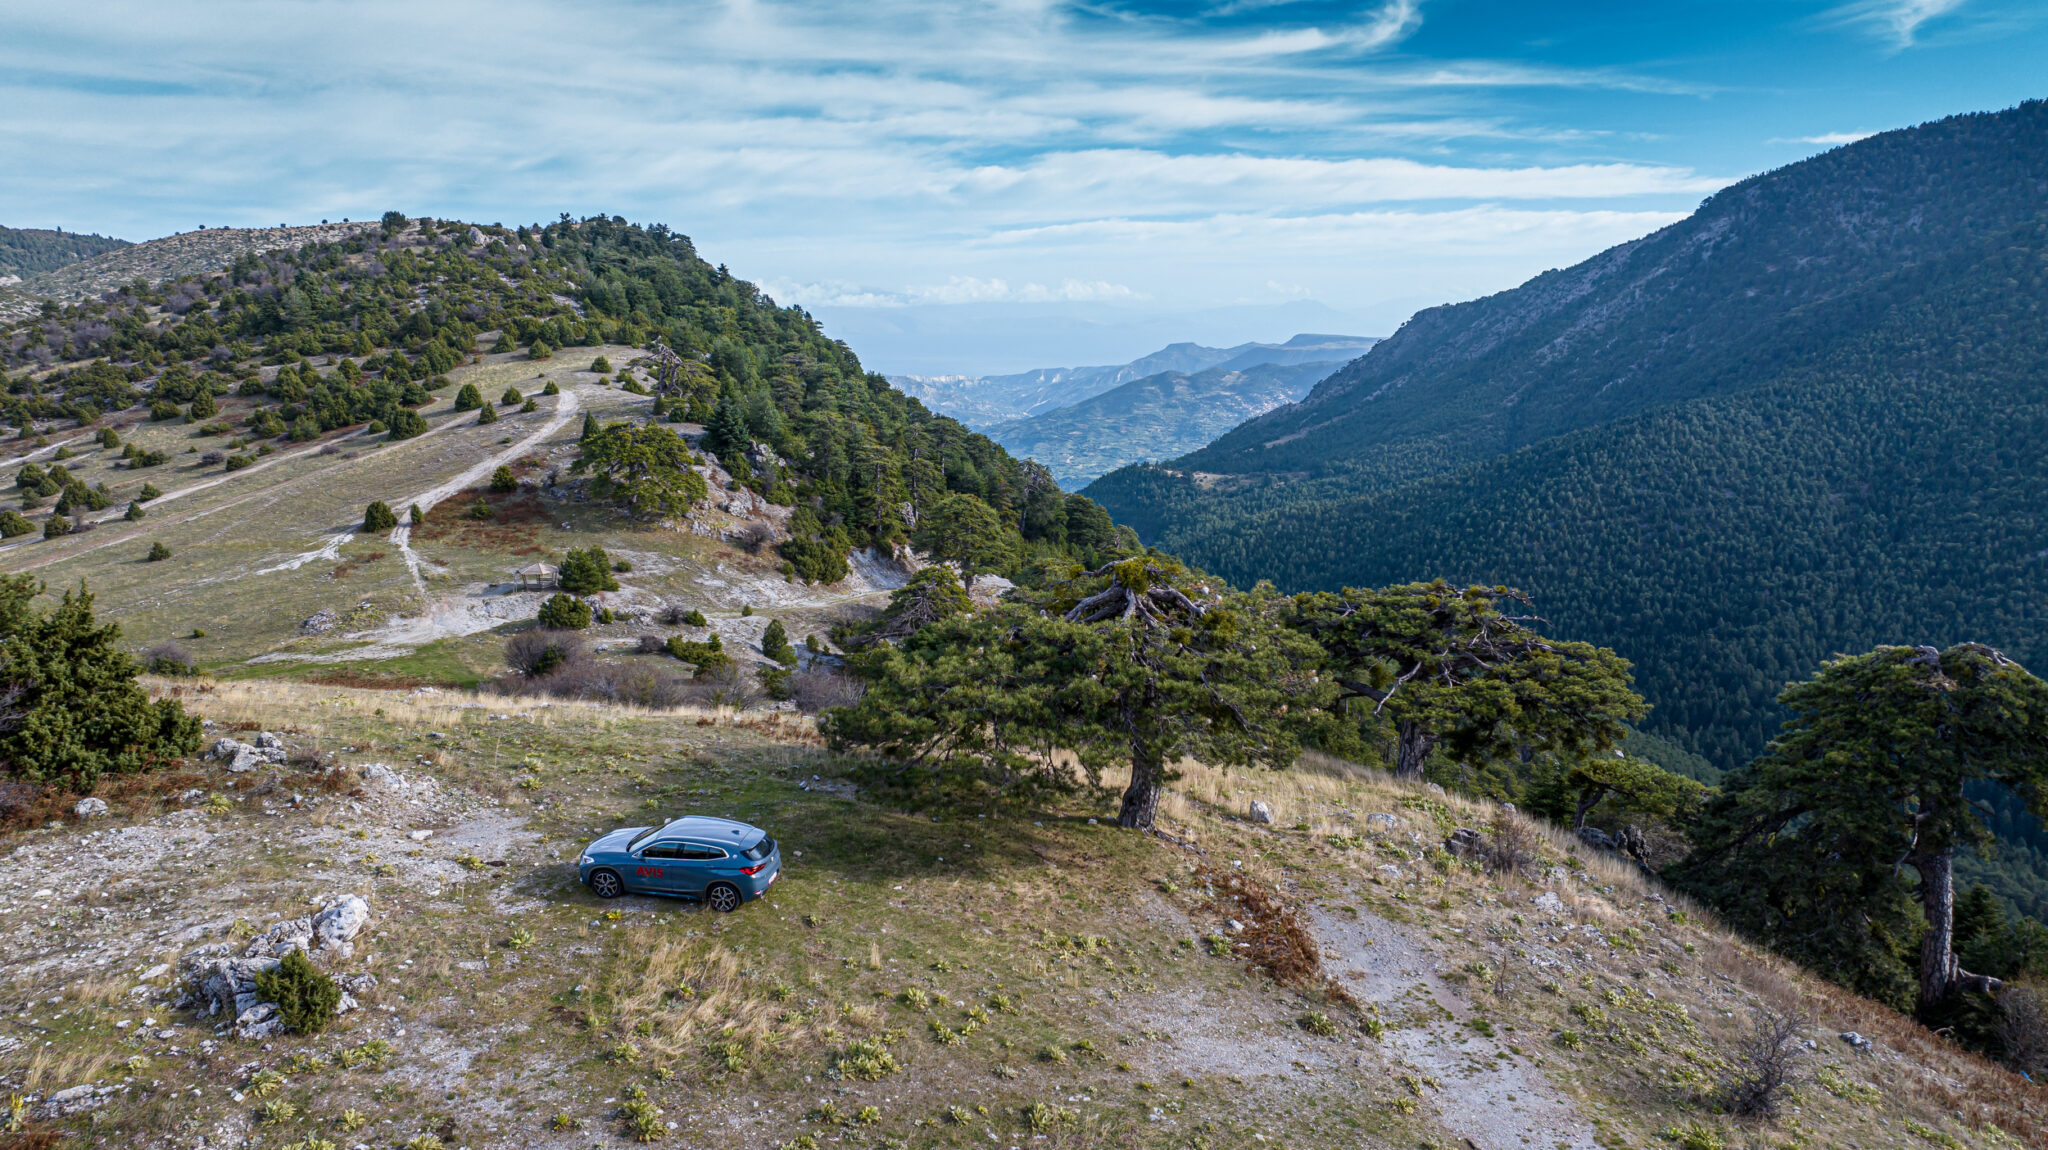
x,y
306,998
564,612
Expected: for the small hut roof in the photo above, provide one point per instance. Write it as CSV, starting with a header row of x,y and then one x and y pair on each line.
x,y
536,569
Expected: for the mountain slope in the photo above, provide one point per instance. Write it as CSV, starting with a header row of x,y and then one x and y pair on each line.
x,y
1157,417
1764,276
29,252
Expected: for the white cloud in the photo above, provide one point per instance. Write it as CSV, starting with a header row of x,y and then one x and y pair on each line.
x,y
1898,21
1825,139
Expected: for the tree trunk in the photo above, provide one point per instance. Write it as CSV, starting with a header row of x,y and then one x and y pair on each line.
x,y
1414,748
1586,804
1141,798
1939,970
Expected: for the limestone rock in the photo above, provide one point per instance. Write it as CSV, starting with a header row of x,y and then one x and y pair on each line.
x,y
90,808
1548,903
1855,1040
339,923
1261,813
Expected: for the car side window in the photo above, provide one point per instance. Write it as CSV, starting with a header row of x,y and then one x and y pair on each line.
x,y
695,851
663,851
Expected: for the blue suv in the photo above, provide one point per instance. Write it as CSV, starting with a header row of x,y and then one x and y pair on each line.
x,y
722,862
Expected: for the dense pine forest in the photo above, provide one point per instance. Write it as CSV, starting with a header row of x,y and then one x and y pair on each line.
x,y
365,328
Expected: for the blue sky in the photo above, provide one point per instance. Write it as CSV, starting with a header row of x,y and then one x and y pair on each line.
x,y
882,162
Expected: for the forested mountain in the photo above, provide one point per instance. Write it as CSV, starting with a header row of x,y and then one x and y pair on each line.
x,y
389,309
1805,420
29,252
1157,417
1767,274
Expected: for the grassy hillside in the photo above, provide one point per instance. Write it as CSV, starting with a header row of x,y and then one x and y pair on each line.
x,y
1158,417
29,252
910,982
308,355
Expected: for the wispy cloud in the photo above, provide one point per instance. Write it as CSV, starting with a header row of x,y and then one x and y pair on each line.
x,y
1896,21
1825,139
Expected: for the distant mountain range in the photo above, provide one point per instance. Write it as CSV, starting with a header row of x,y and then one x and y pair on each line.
x,y
1084,421
1157,417
986,401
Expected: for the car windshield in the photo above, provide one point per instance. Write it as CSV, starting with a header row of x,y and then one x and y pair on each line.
x,y
759,850
642,837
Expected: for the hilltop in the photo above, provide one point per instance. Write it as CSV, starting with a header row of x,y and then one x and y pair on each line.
x,y
1331,979
29,252
176,256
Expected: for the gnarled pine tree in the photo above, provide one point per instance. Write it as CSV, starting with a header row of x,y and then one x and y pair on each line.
x,y
1446,666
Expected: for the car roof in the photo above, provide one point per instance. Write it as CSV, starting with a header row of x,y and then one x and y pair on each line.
x,y
706,829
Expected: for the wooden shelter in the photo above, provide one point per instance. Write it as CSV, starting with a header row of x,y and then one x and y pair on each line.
x,y
538,577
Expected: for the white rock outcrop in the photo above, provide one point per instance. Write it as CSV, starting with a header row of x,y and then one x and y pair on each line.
x,y
240,756
227,985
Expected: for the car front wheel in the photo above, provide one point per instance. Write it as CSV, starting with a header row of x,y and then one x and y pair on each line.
x,y
723,898
606,884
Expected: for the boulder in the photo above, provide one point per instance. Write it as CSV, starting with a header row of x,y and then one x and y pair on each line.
x,y
1261,813
90,808
1380,818
229,984
1597,838
1855,1040
1548,903
1464,842
337,925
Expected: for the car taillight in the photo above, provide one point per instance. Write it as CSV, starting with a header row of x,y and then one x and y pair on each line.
x,y
757,868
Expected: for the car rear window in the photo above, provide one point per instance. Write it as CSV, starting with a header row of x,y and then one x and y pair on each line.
x,y
759,850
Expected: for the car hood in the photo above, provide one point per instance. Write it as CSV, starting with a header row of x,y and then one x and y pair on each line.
x,y
615,841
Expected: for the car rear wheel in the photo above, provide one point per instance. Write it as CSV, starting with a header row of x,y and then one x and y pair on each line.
x,y
607,884
723,898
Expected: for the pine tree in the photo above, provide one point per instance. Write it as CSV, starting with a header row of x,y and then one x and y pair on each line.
x,y
511,397
587,572
503,481
590,427
416,515
13,523
564,613
378,517
601,365
148,492
406,423
551,389
469,398
203,406
487,414
135,511
78,712
157,553
775,643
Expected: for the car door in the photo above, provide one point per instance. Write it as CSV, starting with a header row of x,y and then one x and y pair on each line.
x,y
699,865
658,867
